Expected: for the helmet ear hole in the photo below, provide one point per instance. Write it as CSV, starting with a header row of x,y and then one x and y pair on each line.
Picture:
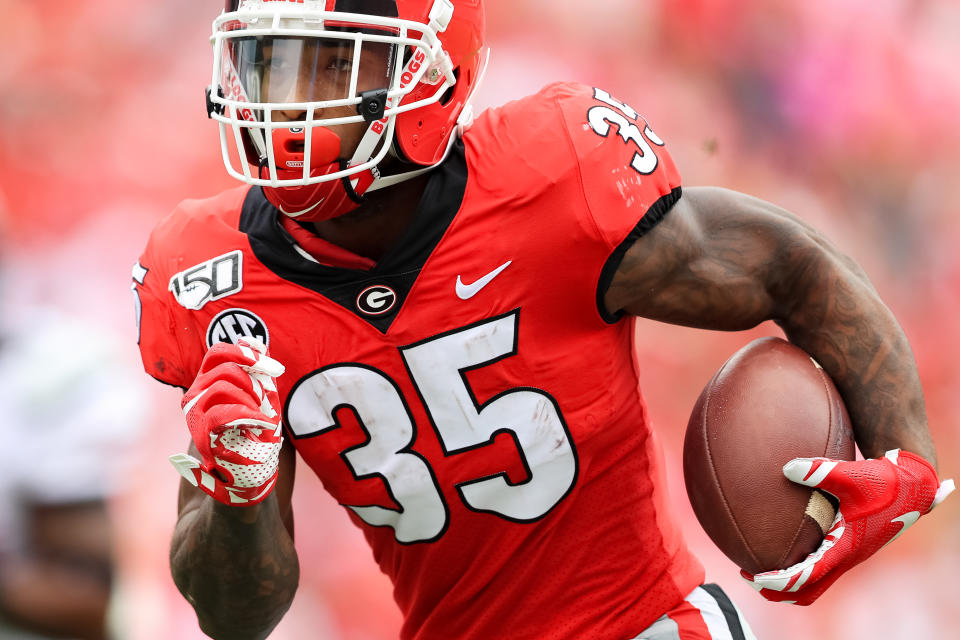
x,y
448,94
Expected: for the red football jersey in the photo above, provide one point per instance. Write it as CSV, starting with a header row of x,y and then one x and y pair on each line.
x,y
468,399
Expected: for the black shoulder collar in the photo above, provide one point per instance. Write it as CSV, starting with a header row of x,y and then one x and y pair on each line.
x,y
395,272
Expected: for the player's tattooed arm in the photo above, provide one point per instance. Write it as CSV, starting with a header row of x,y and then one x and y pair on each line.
x,y
723,260
237,566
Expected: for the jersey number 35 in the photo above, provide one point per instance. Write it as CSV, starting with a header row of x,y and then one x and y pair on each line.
x,y
436,367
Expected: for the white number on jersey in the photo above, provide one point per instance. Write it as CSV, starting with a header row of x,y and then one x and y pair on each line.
x,y
462,423
436,367
603,118
390,430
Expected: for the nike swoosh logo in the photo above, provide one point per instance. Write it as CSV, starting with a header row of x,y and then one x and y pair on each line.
x,y
907,521
189,405
467,291
297,214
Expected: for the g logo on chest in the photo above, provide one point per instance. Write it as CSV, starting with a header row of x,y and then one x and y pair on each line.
x,y
376,300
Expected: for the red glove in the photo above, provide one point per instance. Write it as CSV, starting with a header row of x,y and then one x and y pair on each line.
x,y
233,413
878,499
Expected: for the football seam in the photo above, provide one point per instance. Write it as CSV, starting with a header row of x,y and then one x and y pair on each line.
x,y
826,389
713,471
793,541
822,376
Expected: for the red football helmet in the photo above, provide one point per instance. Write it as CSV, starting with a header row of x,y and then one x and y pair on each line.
x,y
290,76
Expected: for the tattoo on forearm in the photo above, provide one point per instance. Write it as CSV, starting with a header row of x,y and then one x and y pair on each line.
x,y
858,342
728,262
240,577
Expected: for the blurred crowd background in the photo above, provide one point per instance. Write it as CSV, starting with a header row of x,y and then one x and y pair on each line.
x,y
846,112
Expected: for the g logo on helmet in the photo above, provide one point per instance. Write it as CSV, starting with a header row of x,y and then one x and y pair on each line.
x,y
376,300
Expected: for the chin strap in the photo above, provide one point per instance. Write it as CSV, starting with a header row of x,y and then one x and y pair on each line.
x,y
349,185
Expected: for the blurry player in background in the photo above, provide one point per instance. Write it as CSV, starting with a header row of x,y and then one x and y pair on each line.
x,y
64,419
451,301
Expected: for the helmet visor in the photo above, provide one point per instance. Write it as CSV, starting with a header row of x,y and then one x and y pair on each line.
x,y
284,70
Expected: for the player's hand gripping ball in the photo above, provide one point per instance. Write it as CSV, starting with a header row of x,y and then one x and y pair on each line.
x,y
879,499
233,413
769,403
768,438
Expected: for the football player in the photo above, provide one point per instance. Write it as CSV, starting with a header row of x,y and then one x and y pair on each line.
x,y
436,312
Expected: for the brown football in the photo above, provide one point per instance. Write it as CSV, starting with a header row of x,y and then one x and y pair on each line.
x,y
769,403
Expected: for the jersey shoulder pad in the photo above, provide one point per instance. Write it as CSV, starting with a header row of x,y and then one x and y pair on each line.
x,y
628,176
195,229
584,140
519,147
193,256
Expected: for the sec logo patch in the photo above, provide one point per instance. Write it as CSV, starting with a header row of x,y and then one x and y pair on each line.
x,y
376,300
233,324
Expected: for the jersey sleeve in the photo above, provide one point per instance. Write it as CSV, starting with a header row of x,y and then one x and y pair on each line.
x,y
170,331
160,350
628,179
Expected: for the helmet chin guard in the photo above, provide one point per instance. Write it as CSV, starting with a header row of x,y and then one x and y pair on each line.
x,y
311,202
290,75
323,200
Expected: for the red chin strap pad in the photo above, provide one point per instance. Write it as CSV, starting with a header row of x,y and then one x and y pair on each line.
x,y
323,201
314,202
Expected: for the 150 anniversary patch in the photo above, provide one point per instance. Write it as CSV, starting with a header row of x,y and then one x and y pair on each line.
x,y
211,280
